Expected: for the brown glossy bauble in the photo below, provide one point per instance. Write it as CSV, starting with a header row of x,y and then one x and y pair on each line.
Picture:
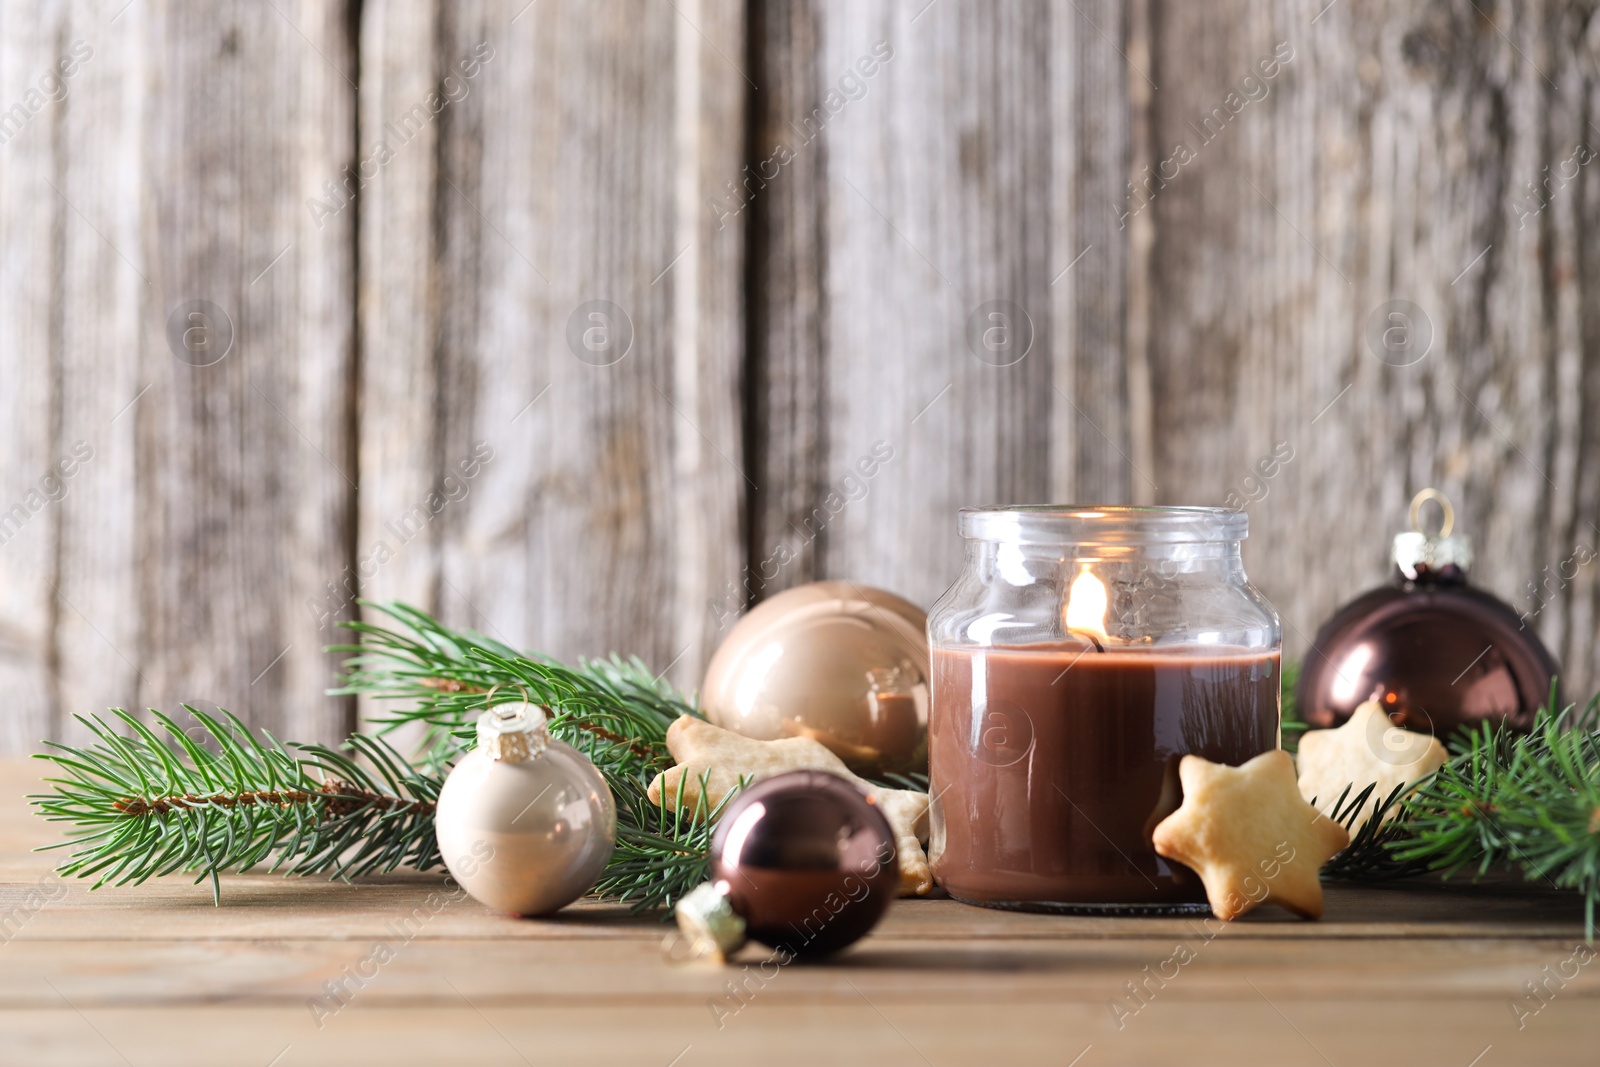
x,y
844,664
808,862
1437,653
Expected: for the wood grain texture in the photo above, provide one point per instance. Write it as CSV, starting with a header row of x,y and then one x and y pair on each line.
x,y
983,162
574,169
1098,435
1191,310
109,314
778,200
1238,232
872,1030
938,180
210,500
245,481
30,221
1389,160
156,974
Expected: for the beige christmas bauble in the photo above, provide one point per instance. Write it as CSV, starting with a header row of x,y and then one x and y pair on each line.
x,y
525,824
842,663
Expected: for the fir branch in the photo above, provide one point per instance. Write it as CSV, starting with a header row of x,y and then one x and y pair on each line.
x,y
150,803
446,678
612,710
1290,725
1369,856
661,852
1528,802
1503,801
147,804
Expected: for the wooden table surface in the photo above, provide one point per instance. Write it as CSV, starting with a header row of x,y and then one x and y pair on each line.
x,y
1412,974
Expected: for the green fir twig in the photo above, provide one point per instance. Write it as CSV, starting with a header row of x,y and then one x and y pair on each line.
x,y
443,679
1503,801
154,801
1291,726
662,851
144,802
1369,857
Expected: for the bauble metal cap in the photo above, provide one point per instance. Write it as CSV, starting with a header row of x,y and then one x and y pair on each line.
x,y
707,920
513,733
1419,554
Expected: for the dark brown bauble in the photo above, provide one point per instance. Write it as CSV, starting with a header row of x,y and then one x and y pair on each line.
x,y
808,861
1435,652
1437,657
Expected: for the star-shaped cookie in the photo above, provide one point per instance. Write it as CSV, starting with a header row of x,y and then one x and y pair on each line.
x,y
1367,749
1250,836
724,757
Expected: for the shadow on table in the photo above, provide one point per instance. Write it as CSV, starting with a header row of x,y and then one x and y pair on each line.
x,y
982,960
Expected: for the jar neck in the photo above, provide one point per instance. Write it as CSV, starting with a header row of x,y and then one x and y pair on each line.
x,y
1060,594
1023,564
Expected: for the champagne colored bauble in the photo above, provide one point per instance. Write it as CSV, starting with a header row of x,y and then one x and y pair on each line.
x,y
802,862
842,663
525,824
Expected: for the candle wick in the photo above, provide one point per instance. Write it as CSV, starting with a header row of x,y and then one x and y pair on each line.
x,y
1098,647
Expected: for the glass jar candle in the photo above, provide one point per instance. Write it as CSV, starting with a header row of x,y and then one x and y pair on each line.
x,y
1079,656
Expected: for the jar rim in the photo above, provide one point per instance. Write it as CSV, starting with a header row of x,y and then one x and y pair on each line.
x,y
1113,524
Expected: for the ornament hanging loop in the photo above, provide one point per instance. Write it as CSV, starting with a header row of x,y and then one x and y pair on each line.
x,y
1448,520
488,699
1441,556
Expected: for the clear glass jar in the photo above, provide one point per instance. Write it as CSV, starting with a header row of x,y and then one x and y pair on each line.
x,y
1079,656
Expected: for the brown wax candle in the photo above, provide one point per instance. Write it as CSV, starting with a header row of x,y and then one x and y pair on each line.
x,y
1052,765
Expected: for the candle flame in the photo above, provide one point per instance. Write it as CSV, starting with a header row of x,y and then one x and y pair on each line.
x,y
1086,605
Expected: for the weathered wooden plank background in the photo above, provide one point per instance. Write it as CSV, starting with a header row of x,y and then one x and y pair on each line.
x,y
787,217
